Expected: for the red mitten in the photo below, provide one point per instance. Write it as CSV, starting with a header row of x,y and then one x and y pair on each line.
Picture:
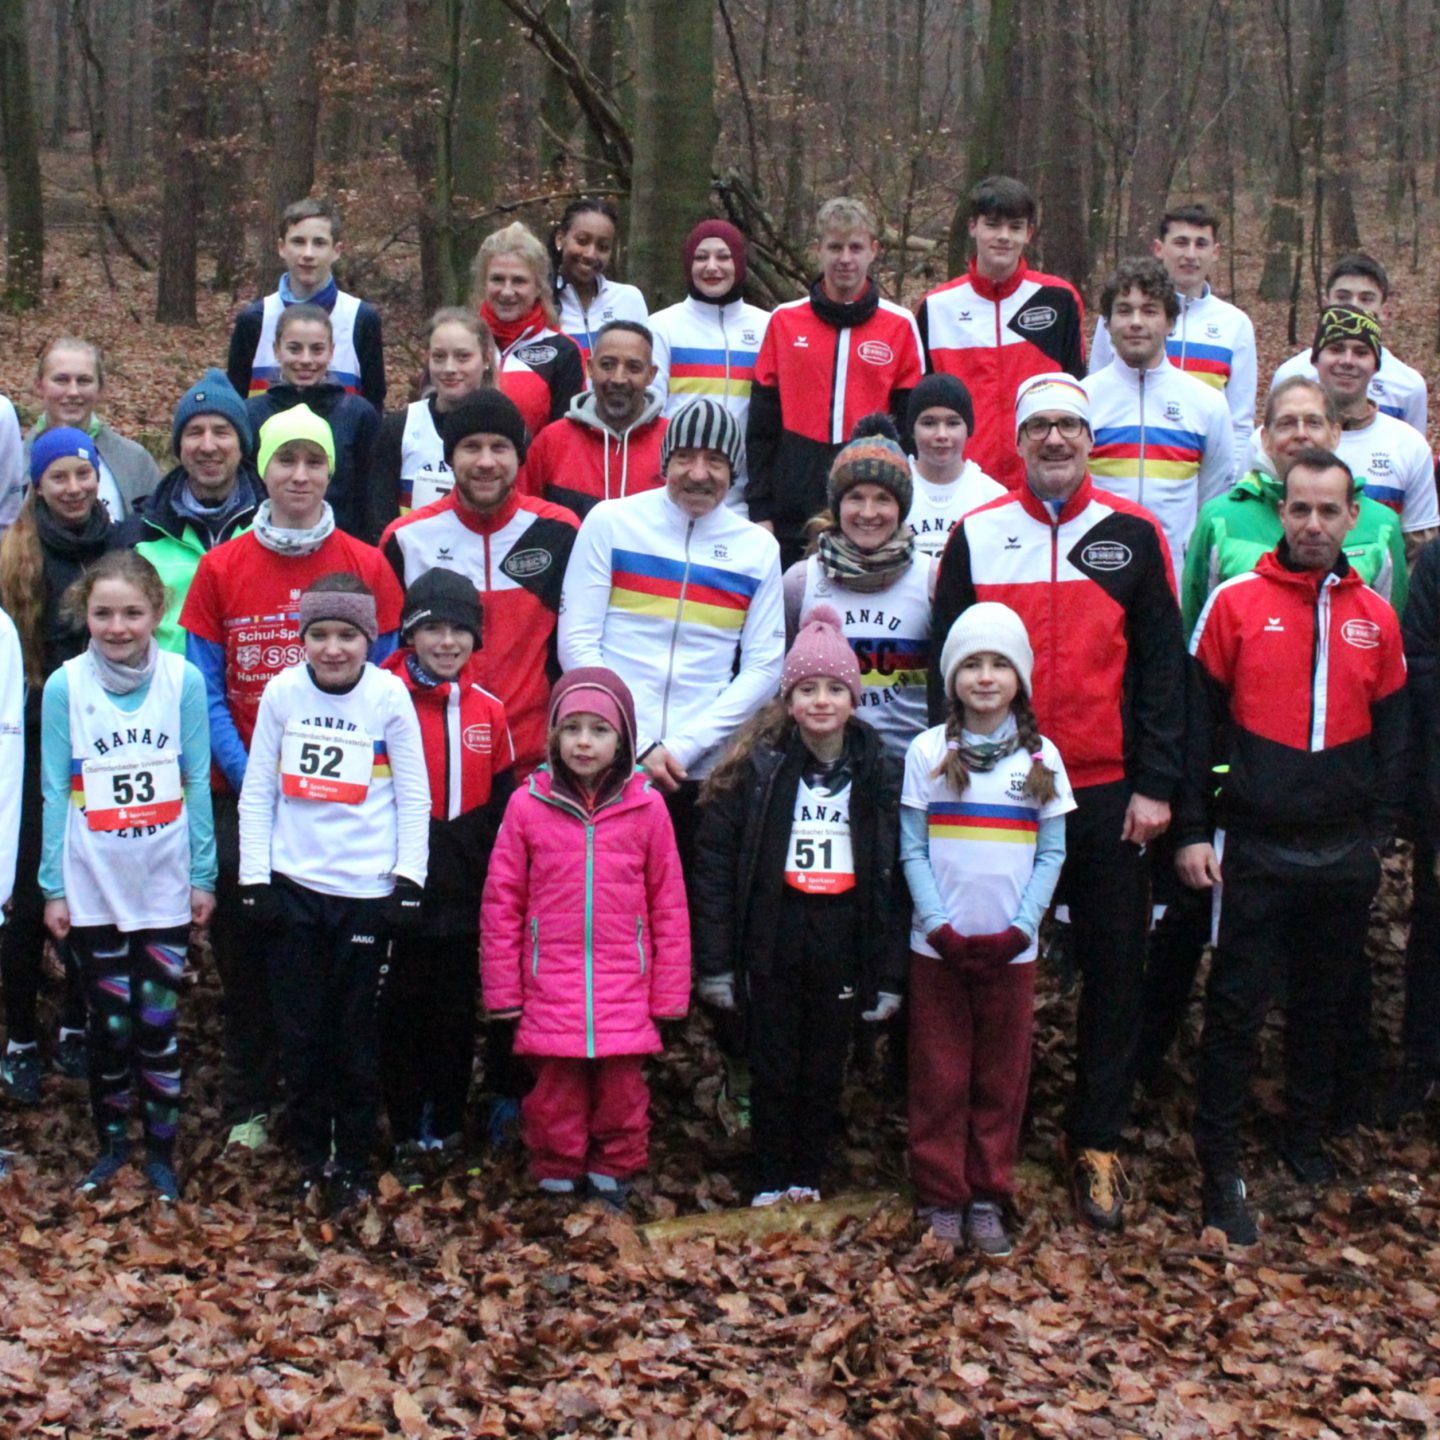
x,y
998,949
949,944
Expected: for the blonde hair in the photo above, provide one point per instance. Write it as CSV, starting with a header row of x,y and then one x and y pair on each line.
x,y
517,240
846,213
1039,782
22,587
470,319
71,342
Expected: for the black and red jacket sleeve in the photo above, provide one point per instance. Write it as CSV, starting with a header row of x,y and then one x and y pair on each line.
x,y
954,593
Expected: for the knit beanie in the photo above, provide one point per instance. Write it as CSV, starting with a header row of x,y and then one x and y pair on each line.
x,y
821,649
987,626
213,394
61,443
703,424
873,457
945,391
1054,390
299,422
352,607
441,596
483,412
1346,322
715,230
590,700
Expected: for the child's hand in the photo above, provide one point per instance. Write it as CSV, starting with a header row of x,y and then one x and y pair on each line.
x,y
57,918
998,949
717,990
491,1015
403,906
950,944
202,907
887,1004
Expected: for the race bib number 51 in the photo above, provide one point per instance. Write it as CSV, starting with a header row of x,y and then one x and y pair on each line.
x,y
322,765
131,790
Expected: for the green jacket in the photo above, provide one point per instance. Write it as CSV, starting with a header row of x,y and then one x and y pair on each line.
x,y
1234,530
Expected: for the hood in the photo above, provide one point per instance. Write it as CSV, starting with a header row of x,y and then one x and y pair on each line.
x,y
615,779
582,411
321,398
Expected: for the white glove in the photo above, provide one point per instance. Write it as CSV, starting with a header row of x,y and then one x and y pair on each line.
x,y
717,990
887,1004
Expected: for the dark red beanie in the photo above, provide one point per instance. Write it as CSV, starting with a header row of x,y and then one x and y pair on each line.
x,y
715,230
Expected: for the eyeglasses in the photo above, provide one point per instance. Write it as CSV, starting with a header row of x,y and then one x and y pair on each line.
x,y
1037,427
1289,424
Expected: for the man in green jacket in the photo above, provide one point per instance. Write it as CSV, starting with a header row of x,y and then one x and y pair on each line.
x,y
209,497
1235,529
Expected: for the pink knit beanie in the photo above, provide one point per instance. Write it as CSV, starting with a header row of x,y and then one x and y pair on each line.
x,y
821,649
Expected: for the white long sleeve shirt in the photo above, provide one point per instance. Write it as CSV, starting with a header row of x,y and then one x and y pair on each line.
x,y
1397,388
12,752
363,746
666,601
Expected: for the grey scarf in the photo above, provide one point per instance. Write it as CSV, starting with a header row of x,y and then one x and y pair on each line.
x,y
292,542
124,679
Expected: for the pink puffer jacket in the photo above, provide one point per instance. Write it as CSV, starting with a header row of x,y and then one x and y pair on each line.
x,y
584,927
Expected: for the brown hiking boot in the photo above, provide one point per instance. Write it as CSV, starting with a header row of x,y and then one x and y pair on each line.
x,y
1099,1188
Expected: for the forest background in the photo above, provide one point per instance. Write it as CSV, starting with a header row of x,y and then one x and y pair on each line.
x,y
148,146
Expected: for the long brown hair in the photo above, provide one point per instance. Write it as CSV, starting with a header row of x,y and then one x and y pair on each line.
x,y
124,565
22,587
772,727
1039,783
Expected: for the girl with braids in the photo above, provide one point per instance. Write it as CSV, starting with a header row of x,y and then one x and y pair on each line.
x,y
62,529
581,247
982,840
798,911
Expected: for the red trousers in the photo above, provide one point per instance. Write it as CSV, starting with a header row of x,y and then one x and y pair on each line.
x,y
970,1033
586,1117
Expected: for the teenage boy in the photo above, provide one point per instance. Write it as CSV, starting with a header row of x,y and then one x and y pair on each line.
x,y
1001,323
1210,338
310,244
243,619
1162,438
1311,767
841,353
1361,281
1391,461
608,444
948,484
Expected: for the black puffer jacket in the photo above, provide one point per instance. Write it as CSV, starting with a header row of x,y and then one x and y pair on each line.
x,y
737,878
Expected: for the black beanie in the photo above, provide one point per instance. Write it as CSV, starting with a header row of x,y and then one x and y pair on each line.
x,y
483,412
935,390
444,597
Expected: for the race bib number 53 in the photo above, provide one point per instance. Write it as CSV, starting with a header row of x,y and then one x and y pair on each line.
x,y
322,765
130,790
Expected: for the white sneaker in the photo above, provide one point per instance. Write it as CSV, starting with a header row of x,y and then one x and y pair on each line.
x,y
766,1198
802,1195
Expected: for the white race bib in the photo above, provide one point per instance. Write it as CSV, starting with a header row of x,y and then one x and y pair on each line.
x,y
329,765
131,790
426,489
820,860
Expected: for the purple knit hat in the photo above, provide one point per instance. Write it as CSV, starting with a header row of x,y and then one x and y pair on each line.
x,y
821,648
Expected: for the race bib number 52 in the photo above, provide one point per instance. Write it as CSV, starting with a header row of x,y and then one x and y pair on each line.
x,y
322,765
131,790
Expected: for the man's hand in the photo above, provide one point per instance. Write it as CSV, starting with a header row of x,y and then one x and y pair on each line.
x,y
1197,866
1145,819
664,769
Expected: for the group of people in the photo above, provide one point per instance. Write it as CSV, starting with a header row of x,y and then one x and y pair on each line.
x,y
804,660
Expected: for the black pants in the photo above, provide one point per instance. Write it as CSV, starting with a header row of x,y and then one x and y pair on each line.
x,y
801,1017
427,1031
1420,1033
22,938
1291,911
248,1061
1177,945
325,986
1105,882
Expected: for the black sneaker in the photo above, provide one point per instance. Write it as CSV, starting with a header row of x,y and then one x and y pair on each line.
x,y
20,1072
1222,1201
350,1190
613,1194
161,1175
72,1054
1307,1162
1415,1092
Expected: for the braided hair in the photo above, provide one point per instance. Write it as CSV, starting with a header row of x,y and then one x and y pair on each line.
x,y
1039,783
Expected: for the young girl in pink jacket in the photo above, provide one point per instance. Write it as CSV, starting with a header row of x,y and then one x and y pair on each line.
x,y
585,937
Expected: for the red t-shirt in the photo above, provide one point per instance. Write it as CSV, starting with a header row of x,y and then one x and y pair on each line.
x,y
247,598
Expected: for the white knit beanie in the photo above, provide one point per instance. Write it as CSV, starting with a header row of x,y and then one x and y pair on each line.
x,y
987,626
1052,391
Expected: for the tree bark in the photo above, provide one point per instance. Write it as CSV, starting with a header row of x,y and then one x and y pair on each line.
x,y
556,115
60,97
340,128
1063,194
675,135
179,234
295,100
24,200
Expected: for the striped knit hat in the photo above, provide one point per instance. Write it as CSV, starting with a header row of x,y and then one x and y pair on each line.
x,y
873,457
704,424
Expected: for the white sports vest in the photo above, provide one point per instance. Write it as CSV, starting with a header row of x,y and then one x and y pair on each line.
x,y
344,365
424,475
127,837
820,859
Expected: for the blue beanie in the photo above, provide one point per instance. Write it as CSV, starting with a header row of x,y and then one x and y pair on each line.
x,y
59,444
213,394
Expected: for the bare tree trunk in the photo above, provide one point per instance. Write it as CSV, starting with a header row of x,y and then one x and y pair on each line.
x,y
60,99
1339,132
295,98
1066,146
556,114
340,136
795,221
24,200
675,134
179,235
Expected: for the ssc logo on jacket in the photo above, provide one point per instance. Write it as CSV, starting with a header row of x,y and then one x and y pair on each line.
x,y
526,564
536,354
1212,331
1172,410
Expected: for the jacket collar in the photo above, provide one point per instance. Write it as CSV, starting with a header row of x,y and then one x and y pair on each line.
x,y
1039,510
844,314
998,290
583,412
1276,565
160,513
1129,376
489,523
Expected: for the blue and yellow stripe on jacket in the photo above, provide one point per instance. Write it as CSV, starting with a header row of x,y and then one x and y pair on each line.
x,y
1170,454
654,585
886,660
965,820
698,371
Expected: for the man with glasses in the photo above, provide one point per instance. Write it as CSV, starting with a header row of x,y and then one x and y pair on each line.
x,y
1089,573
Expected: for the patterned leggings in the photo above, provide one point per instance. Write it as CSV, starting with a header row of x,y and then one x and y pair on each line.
x,y
133,986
